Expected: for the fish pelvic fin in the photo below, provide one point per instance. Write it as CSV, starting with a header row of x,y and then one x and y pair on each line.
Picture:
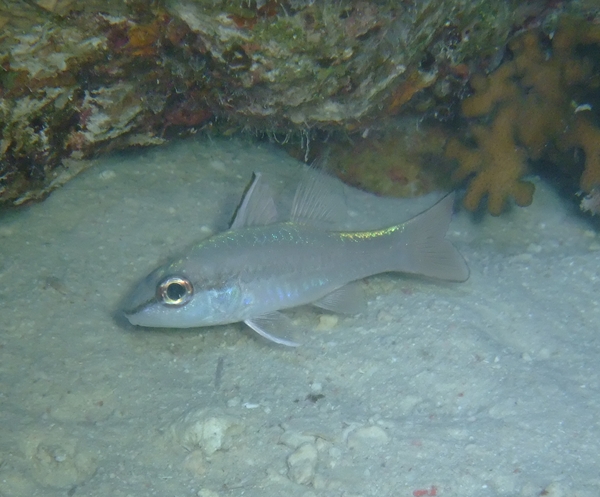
x,y
276,319
425,248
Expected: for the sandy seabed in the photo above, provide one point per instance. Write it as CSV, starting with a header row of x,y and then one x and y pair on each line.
x,y
484,388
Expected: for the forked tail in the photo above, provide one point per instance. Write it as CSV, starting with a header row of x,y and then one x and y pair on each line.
x,y
425,249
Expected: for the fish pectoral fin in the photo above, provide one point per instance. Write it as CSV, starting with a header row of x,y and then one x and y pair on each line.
x,y
349,299
273,320
257,207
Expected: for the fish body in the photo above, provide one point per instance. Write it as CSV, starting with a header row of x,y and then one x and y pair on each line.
x,y
254,270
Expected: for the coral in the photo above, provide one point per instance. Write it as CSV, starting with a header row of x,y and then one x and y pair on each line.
x,y
490,91
528,102
495,146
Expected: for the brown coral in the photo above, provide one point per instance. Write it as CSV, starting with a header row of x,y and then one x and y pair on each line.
x,y
529,102
495,146
490,91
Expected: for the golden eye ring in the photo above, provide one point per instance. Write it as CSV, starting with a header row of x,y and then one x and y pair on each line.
x,y
175,291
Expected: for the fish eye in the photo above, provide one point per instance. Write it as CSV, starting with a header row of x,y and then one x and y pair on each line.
x,y
175,290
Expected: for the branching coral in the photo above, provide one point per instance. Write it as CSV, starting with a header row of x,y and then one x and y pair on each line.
x,y
496,146
529,101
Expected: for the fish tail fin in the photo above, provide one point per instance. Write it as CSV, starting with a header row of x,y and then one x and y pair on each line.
x,y
425,249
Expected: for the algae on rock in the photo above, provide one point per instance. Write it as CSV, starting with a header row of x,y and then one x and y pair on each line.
x,y
147,71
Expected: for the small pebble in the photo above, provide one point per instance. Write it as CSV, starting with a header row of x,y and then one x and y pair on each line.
x,y
302,464
316,387
594,247
218,165
197,429
195,463
521,258
107,174
385,317
367,436
544,353
294,439
205,492
327,322
553,490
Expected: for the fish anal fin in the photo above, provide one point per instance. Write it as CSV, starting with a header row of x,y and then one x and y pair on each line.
x,y
257,207
316,202
263,325
349,299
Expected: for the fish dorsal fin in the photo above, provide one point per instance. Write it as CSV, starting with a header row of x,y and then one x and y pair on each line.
x,y
348,299
315,202
257,207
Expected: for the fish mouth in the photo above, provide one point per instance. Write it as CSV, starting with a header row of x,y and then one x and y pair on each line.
x,y
138,316
138,300
131,309
135,312
131,317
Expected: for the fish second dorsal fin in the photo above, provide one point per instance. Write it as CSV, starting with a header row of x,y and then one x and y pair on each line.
x,y
315,202
257,207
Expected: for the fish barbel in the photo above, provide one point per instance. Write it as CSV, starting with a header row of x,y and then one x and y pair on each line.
x,y
261,266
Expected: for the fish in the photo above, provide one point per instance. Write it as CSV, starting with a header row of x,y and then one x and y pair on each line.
x,y
261,265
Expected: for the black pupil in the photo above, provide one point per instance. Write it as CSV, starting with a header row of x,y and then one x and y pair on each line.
x,y
175,291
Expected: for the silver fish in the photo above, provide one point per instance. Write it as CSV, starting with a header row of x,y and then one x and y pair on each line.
x,y
261,266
